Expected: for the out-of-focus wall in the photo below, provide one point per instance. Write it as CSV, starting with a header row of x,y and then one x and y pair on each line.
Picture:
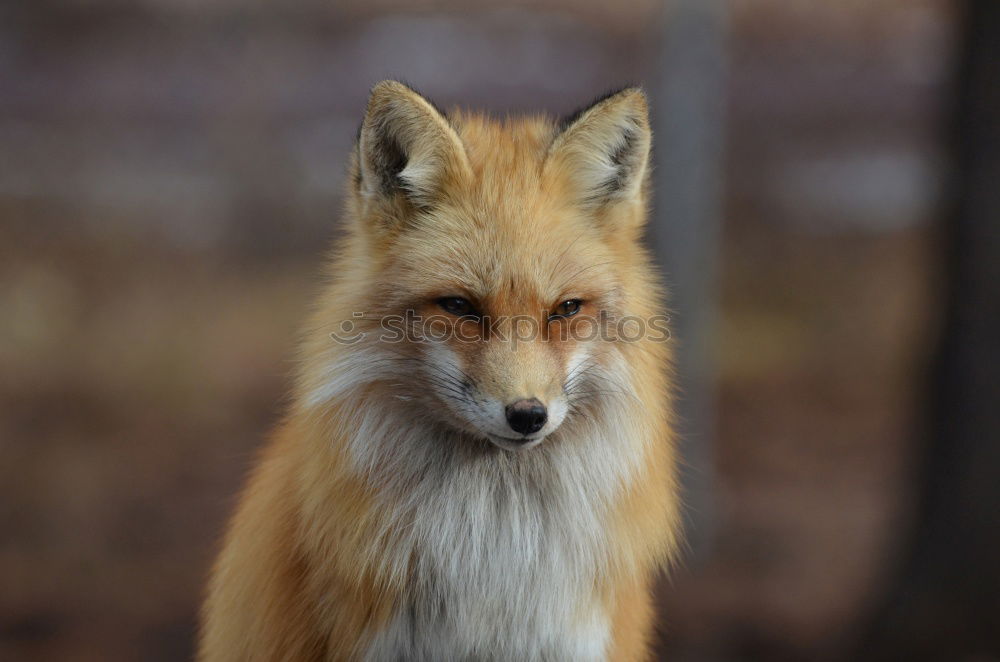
x,y
170,176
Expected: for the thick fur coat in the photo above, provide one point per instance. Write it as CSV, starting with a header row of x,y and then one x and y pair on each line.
x,y
395,514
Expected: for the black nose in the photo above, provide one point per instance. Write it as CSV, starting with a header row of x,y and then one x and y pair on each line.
x,y
526,416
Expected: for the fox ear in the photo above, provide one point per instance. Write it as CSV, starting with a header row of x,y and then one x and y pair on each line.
x,y
602,151
405,148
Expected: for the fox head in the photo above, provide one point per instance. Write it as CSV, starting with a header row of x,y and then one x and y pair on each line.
x,y
507,252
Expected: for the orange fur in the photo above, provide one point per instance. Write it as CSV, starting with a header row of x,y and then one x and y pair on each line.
x,y
515,216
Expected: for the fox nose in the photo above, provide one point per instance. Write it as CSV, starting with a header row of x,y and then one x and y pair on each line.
x,y
526,416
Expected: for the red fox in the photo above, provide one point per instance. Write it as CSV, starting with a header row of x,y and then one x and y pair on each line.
x,y
477,463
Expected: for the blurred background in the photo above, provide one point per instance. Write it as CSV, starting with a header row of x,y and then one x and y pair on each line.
x,y
827,207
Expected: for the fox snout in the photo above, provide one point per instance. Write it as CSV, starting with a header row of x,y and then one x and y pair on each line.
x,y
514,399
526,416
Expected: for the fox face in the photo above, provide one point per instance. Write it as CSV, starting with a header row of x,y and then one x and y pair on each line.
x,y
499,257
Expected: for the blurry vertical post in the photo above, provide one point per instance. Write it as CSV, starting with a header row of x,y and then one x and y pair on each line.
x,y
689,128
941,603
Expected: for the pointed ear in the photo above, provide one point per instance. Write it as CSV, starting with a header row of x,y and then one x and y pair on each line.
x,y
406,148
602,151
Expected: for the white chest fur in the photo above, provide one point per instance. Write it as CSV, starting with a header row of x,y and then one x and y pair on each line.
x,y
466,638
501,552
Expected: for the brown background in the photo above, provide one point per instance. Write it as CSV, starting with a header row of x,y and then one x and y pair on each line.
x,y
170,176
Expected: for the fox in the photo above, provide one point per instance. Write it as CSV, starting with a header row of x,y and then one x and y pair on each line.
x,y
445,485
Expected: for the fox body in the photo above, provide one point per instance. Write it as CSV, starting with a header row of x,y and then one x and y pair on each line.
x,y
478,492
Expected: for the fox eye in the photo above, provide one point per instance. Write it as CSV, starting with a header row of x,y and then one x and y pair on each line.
x,y
567,308
457,306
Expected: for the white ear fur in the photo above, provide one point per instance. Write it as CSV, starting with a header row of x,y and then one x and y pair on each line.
x,y
603,150
406,146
